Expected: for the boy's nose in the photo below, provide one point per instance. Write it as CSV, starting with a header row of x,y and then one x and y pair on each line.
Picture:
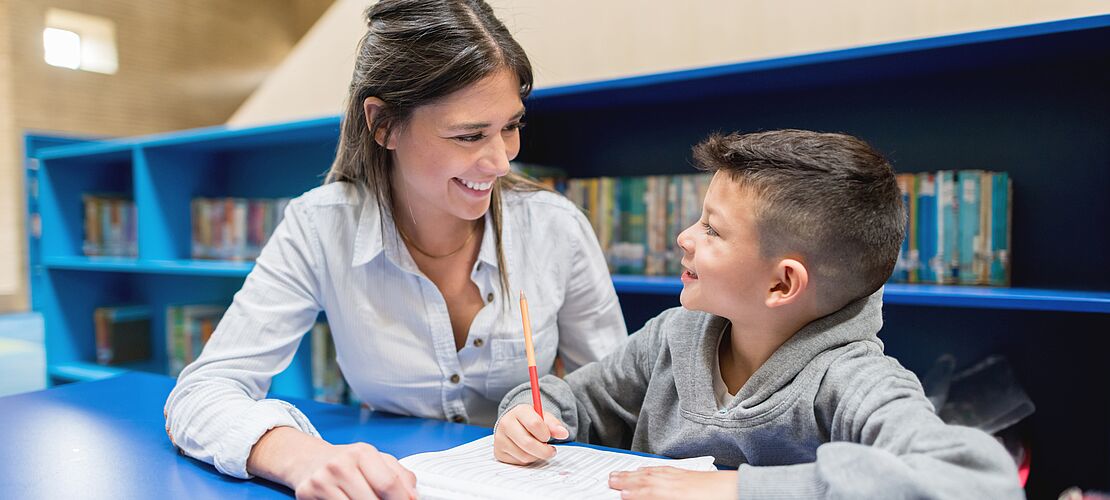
x,y
685,242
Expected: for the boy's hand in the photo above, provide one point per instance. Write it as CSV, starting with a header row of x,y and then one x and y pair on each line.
x,y
672,482
521,437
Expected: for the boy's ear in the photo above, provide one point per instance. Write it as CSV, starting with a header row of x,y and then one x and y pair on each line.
x,y
371,106
791,279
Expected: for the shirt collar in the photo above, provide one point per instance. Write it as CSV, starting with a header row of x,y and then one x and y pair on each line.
x,y
368,236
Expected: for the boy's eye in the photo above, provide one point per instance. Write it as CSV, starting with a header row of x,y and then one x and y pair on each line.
x,y
709,229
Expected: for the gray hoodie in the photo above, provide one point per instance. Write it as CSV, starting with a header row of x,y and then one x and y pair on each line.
x,y
828,415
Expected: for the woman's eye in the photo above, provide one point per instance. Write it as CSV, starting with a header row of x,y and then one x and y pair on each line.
x,y
709,229
515,126
471,138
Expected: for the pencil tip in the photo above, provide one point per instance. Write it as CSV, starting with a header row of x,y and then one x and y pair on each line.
x,y
522,294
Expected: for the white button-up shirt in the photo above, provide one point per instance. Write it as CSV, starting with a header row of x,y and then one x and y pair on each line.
x,y
335,252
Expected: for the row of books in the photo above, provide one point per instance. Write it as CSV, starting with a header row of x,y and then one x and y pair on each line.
x,y
958,229
233,228
637,219
110,226
123,335
188,328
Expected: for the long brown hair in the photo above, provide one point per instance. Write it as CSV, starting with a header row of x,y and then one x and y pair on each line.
x,y
414,52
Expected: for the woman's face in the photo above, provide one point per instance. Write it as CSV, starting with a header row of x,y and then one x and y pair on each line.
x,y
450,152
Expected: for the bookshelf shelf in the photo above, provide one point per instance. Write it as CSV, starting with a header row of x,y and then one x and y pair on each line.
x,y
927,295
1029,100
130,265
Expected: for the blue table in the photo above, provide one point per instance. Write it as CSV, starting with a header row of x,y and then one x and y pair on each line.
x,y
107,439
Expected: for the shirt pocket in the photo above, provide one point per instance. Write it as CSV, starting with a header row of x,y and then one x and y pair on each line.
x,y
508,364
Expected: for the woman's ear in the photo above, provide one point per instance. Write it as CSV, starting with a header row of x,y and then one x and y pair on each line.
x,y
791,280
371,106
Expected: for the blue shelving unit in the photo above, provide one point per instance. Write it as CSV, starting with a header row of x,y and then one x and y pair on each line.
x,y
1030,100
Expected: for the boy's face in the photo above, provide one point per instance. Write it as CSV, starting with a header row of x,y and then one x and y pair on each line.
x,y
724,272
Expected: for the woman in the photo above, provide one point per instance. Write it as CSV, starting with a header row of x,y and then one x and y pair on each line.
x,y
416,248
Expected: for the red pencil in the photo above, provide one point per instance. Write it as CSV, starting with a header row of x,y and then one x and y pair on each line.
x,y
531,355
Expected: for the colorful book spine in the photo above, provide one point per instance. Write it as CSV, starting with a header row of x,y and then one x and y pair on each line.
x,y
1001,211
328,384
905,268
948,226
188,329
970,195
930,268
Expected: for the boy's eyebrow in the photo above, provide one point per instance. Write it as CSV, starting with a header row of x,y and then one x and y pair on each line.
x,y
482,125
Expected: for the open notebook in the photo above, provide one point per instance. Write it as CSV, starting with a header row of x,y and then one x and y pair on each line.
x,y
469,471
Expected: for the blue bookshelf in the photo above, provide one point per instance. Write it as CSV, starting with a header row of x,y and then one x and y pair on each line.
x,y
1030,100
927,295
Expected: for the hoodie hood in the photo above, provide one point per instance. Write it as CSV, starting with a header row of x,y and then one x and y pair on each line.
x,y
788,371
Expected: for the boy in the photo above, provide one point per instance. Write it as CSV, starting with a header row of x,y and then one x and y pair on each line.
x,y
773,363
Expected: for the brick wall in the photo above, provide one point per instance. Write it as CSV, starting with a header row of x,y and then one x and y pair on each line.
x,y
182,64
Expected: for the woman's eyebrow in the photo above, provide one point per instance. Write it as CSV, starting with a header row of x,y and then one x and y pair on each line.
x,y
482,125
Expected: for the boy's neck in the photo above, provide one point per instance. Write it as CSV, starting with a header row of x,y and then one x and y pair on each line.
x,y
745,348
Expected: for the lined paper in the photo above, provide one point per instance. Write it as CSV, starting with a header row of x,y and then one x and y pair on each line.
x,y
470,471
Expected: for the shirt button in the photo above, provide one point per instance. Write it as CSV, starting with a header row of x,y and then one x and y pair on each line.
x,y
458,419
455,378
479,342
489,297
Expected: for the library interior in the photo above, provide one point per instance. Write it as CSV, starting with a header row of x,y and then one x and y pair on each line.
x,y
149,150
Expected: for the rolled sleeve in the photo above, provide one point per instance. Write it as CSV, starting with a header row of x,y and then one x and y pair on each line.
x,y
248,428
217,411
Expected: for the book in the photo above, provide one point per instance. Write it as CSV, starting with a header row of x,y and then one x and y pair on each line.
x,y
1001,209
469,471
906,267
930,267
970,235
188,328
109,226
948,207
328,384
122,334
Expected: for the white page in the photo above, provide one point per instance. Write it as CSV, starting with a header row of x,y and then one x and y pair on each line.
x,y
469,471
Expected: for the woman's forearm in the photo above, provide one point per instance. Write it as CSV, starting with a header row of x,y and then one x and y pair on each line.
x,y
277,453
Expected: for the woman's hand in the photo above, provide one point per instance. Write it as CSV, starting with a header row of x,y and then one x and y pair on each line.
x,y
314,468
521,437
672,482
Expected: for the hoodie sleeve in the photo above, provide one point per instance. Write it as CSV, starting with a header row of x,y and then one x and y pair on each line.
x,y
600,402
885,441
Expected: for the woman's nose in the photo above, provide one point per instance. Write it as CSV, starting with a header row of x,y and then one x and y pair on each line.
x,y
495,158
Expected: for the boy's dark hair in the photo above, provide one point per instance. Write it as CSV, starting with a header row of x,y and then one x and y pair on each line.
x,y
830,197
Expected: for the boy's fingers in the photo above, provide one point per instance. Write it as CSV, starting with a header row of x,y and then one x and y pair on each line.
x,y
528,442
505,450
555,428
535,425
